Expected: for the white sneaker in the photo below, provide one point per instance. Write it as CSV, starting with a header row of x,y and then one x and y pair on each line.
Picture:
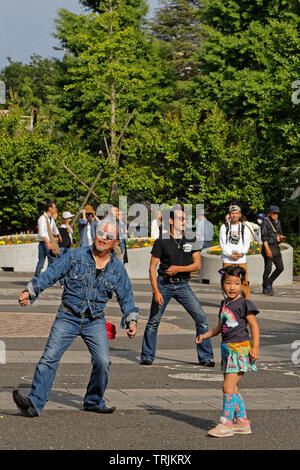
x,y
223,429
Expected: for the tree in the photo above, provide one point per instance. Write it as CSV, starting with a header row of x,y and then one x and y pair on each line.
x,y
32,82
177,25
197,156
30,173
132,14
247,65
111,69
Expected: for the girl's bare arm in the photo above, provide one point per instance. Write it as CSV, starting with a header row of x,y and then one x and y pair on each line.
x,y
251,319
209,334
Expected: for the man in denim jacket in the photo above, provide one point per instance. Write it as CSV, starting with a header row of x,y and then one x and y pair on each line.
x,y
91,275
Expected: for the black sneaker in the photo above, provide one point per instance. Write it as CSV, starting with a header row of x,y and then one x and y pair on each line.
x,y
146,362
24,404
30,412
208,363
101,410
268,291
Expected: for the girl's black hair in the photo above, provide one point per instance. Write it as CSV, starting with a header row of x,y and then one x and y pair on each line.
x,y
232,270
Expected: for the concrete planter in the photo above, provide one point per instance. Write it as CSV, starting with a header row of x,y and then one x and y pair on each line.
x,y
19,258
138,262
24,257
255,264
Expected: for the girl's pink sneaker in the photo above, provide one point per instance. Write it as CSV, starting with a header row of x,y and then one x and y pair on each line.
x,y
223,429
242,426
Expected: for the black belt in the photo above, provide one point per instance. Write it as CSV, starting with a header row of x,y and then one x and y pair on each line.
x,y
174,279
85,314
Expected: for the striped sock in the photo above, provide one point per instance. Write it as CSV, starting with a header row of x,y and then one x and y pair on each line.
x,y
240,409
229,400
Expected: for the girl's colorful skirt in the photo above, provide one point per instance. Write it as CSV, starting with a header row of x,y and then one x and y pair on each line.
x,y
235,357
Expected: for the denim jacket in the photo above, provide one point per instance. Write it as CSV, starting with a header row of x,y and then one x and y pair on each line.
x,y
82,227
82,289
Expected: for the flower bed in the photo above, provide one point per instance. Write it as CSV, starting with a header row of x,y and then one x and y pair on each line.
x,y
32,238
255,249
139,242
18,239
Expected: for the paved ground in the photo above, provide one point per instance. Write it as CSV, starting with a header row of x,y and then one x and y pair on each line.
x,y
167,406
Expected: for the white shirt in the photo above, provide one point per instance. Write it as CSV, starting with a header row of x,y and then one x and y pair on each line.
x,y
42,227
89,233
154,229
228,248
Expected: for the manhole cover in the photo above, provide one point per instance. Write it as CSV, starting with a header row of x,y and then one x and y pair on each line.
x,y
203,377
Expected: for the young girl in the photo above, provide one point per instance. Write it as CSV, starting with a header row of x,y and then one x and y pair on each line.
x,y
238,355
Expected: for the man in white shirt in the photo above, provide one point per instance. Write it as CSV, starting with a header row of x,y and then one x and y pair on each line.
x,y
235,243
45,246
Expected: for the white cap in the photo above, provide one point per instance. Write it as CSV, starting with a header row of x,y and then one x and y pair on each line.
x,y
67,215
234,208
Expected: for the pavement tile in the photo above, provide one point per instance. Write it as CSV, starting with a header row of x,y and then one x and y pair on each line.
x,y
16,357
129,399
273,353
183,406
181,364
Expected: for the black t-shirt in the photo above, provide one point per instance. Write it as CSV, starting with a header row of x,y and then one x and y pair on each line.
x,y
233,320
269,230
175,252
66,240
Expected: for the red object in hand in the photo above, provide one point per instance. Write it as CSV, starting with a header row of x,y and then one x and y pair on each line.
x,y
111,330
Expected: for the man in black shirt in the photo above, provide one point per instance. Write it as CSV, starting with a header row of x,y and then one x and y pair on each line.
x,y
177,257
271,236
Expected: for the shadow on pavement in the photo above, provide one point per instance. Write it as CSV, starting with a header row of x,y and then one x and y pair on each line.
x,y
201,423
56,396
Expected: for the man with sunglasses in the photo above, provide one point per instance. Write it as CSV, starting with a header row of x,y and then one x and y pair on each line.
x,y
91,276
175,257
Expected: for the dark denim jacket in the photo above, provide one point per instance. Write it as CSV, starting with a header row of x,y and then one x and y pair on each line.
x,y
82,289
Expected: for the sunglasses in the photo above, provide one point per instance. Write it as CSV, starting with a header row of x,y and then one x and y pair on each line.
x,y
108,236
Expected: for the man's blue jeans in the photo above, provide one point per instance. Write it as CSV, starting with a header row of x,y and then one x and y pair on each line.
x,y
65,329
43,253
184,295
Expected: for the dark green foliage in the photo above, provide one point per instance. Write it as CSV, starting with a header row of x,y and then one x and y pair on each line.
x,y
214,119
